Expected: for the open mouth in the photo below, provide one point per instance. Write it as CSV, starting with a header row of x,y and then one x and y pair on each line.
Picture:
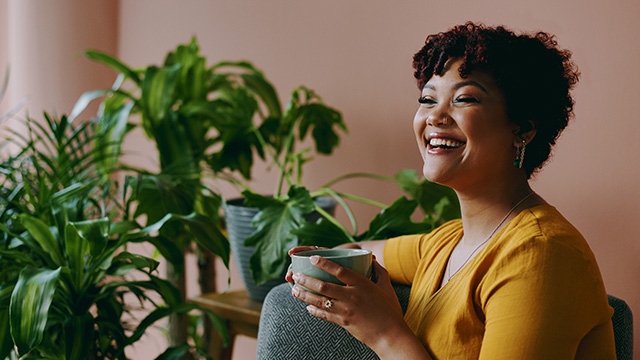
x,y
444,144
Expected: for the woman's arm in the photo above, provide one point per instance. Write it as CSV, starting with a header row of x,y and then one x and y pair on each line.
x,y
369,310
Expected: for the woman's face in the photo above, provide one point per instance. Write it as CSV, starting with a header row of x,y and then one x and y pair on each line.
x,y
462,129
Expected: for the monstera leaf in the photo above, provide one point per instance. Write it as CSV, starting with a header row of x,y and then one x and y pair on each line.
x,y
275,223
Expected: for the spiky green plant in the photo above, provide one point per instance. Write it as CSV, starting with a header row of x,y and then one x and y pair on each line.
x,y
65,232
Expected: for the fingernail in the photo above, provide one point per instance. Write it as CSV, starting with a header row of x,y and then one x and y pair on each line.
x,y
314,259
295,291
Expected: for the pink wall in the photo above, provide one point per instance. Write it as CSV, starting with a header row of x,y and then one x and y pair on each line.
x,y
356,54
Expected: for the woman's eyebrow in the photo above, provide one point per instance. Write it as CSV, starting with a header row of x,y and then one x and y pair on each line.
x,y
460,85
471,83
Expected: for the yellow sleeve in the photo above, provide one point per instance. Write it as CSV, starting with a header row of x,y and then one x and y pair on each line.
x,y
401,258
539,303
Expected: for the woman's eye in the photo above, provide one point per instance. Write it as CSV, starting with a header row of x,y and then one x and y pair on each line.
x,y
466,99
426,100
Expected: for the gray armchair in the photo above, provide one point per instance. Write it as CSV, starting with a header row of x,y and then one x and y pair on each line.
x,y
287,331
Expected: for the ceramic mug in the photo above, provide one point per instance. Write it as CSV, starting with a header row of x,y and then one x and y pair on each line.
x,y
358,260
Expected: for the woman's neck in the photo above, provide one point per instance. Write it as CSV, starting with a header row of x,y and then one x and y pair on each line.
x,y
485,211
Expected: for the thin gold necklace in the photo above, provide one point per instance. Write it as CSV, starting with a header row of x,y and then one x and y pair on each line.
x,y
449,275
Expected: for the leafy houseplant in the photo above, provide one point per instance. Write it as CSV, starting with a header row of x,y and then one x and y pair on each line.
x,y
176,110
282,219
64,258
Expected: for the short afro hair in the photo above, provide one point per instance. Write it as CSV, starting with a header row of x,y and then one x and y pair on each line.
x,y
535,76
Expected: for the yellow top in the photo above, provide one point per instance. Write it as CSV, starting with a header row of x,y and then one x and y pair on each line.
x,y
533,292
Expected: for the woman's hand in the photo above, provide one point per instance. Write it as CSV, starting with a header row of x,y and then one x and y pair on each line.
x,y
296,249
367,309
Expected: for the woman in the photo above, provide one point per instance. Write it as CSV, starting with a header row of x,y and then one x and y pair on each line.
x,y
512,279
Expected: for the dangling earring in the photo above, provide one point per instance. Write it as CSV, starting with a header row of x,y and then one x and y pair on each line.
x,y
520,155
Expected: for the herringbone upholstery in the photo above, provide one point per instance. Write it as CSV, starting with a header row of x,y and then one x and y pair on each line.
x,y
288,332
298,332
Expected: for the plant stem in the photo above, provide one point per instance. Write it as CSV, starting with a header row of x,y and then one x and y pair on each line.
x,y
363,200
354,175
334,222
345,206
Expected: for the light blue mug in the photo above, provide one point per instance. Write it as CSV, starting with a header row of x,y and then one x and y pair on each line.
x,y
359,260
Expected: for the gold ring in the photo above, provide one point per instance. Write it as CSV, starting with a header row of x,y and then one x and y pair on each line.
x,y
328,304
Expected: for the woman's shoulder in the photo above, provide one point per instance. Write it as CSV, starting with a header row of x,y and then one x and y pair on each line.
x,y
542,231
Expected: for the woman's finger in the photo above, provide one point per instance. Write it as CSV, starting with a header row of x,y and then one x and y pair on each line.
x,y
304,248
346,275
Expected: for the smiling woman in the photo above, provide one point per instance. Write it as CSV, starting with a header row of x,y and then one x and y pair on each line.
x,y
512,279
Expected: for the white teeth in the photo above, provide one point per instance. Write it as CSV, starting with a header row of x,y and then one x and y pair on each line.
x,y
445,142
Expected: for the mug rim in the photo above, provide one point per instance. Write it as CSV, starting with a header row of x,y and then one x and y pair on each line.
x,y
309,253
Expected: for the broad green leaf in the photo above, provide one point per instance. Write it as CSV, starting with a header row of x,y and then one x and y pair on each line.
x,y
138,262
322,233
435,200
161,312
323,119
78,336
273,237
77,249
113,63
158,91
30,304
84,100
95,232
395,221
43,236
265,91
6,343
112,128
174,352
202,229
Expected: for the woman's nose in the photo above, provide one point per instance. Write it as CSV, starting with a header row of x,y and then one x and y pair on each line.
x,y
439,117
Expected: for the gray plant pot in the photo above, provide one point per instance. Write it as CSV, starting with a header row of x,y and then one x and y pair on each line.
x,y
238,221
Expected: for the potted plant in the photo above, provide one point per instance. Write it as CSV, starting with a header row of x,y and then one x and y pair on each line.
x,y
64,250
173,104
262,228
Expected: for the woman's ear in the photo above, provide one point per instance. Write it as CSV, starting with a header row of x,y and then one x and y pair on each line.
x,y
526,133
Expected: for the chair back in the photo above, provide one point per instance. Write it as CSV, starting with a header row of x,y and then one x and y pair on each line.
x,y
622,320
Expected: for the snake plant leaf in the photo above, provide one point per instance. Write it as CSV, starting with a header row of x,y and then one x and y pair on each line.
x,y
6,343
274,224
41,233
30,302
113,63
433,198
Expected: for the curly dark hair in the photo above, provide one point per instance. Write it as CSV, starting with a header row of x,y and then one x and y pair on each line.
x,y
535,76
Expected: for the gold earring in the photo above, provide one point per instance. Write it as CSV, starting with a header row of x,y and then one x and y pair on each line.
x,y
520,155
